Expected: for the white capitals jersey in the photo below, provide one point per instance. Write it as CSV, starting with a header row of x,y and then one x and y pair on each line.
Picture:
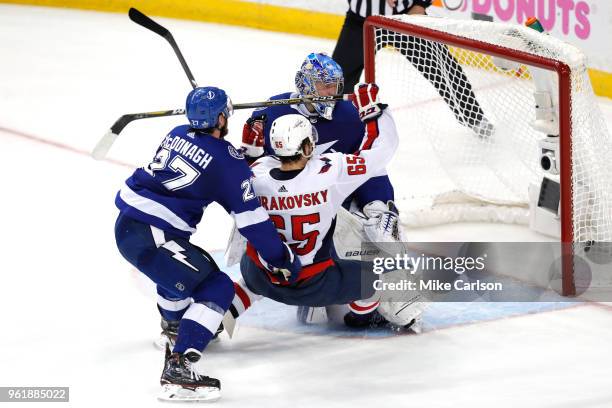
x,y
303,204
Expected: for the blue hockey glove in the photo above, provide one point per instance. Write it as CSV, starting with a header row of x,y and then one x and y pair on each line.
x,y
289,271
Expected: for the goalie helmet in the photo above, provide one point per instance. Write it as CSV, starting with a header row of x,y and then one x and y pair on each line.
x,y
288,133
205,104
319,68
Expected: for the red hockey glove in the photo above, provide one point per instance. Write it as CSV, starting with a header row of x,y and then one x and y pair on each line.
x,y
365,99
253,136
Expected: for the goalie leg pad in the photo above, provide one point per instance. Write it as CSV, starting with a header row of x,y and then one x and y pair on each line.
x,y
401,308
311,315
403,313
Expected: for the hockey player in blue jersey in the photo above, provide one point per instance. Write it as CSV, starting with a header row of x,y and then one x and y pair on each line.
x,y
340,130
160,206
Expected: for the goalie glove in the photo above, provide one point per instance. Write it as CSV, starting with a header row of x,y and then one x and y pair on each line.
x,y
365,99
253,136
382,224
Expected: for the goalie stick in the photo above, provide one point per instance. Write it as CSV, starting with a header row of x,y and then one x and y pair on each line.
x,y
104,144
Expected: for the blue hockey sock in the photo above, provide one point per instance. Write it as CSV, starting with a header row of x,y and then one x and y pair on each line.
x,y
171,308
197,327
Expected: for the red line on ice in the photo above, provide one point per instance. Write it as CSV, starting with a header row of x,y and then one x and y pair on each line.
x,y
59,145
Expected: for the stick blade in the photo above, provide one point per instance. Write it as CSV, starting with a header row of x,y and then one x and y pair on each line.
x,y
229,324
104,144
145,21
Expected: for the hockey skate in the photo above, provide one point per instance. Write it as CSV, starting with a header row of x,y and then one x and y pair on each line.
x,y
168,334
215,336
181,382
374,320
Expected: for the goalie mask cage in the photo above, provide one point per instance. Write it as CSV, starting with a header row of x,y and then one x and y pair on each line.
x,y
462,94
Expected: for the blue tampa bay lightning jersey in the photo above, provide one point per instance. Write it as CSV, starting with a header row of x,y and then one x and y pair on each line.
x,y
191,170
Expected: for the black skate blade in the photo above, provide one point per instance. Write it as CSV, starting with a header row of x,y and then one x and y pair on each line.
x,y
173,392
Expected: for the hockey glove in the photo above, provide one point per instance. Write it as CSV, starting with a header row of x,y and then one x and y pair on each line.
x,y
289,271
365,99
253,136
382,224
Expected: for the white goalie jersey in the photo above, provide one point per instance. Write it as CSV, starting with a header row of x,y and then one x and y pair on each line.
x,y
303,204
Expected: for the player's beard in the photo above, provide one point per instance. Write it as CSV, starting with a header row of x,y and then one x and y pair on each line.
x,y
224,130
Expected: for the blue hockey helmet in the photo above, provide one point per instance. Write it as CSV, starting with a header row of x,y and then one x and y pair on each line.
x,y
205,104
319,68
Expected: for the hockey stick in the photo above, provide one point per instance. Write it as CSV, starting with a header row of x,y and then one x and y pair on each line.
x,y
145,21
104,144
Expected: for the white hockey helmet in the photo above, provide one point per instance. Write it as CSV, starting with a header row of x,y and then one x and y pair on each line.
x,y
288,133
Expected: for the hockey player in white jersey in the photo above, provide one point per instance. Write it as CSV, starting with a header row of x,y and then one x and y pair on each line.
x,y
302,194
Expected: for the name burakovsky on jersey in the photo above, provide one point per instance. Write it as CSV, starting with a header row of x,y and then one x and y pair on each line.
x,y
294,201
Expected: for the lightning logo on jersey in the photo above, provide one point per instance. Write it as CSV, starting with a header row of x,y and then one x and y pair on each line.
x,y
178,254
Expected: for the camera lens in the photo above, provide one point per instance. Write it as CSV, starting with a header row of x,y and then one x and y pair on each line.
x,y
548,163
545,162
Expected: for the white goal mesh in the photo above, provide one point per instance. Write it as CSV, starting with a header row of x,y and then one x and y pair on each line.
x,y
469,151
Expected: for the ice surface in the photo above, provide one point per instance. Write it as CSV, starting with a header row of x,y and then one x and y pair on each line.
x,y
76,314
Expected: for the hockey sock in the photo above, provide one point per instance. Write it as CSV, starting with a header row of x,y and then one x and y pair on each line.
x,y
171,308
243,299
363,306
197,327
211,298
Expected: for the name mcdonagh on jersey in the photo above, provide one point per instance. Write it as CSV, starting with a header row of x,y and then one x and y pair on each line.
x,y
187,149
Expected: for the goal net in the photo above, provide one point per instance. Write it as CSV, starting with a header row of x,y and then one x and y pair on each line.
x,y
464,95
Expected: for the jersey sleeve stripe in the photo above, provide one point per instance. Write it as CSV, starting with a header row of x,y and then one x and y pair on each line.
x,y
246,218
371,135
153,208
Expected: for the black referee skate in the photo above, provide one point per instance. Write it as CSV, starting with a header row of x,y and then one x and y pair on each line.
x,y
180,380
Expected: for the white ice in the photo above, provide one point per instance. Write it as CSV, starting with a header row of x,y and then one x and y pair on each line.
x,y
74,313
